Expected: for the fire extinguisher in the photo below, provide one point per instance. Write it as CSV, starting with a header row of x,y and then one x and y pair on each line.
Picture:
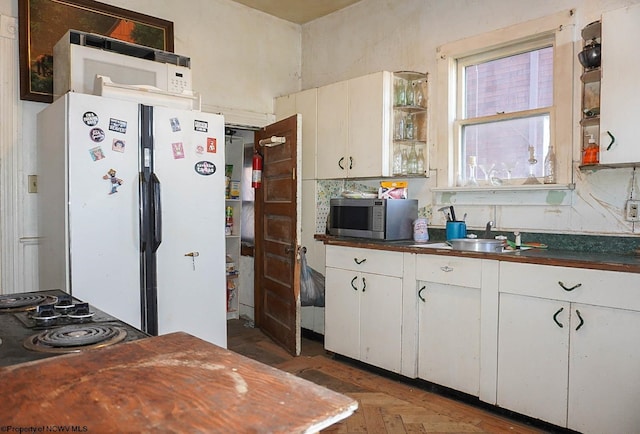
x,y
256,174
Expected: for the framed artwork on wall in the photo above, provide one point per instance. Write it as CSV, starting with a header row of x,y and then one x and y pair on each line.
x,y
43,22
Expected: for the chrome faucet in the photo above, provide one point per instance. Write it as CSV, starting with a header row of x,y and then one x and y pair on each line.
x,y
487,230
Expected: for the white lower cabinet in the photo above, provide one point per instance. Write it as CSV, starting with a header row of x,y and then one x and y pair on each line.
x,y
449,336
449,297
604,371
533,354
363,305
568,348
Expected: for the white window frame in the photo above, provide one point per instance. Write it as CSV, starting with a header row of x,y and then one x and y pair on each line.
x,y
559,29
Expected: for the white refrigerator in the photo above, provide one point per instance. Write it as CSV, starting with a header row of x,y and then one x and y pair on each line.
x,y
131,212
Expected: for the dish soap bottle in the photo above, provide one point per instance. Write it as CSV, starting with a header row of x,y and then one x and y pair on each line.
x,y
550,166
590,155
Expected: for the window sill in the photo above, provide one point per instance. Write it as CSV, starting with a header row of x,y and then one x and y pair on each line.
x,y
539,194
513,187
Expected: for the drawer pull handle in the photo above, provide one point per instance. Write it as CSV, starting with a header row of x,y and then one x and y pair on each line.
x,y
581,320
569,289
352,285
555,317
359,261
350,163
420,293
446,269
364,284
340,163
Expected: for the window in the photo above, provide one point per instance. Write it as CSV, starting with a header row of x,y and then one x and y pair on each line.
x,y
506,94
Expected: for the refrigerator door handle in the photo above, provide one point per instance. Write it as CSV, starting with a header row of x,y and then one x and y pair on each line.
x,y
157,212
143,209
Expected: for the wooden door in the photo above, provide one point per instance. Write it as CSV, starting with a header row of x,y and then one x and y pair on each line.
x,y
277,235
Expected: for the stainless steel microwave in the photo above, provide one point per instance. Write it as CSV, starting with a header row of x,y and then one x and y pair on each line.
x,y
380,219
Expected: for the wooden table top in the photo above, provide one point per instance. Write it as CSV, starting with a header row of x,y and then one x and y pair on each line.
x,y
170,383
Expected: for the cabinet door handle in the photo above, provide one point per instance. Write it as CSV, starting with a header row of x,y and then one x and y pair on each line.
x,y
350,163
359,261
364,284
569,289
446,269
353,280
340,163
613,139
420,293
555,317
581,320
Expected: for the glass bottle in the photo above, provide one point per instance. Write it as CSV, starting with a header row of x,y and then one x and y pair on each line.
x,y
404,169
400,127
397,161
418,97
472,160
420,162
412,164
408,128
410,92
550,166
401,92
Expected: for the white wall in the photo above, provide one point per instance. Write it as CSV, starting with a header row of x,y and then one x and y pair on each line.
x,y
392,35
241,58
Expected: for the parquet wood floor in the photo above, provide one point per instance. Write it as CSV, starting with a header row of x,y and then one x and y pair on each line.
x,y
385,405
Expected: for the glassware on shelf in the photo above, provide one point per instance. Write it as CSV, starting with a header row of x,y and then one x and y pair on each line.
x,y
397,160
419,96
472,161
400,92
531,179
412,164
400,127
420,162
404,168
409,128
410,92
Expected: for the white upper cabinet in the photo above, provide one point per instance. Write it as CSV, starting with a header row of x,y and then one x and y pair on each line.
x,y
620,91
354,127
369,125
305,103
333,133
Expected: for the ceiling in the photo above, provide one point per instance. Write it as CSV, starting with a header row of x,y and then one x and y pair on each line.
x,y
297,11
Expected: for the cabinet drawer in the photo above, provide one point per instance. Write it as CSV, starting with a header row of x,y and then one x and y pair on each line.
x,y
450,270
365,260
597,287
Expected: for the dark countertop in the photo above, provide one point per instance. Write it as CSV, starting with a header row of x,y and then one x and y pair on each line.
x,y
565,258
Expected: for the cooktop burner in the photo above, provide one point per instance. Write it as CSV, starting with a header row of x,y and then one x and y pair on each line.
x,y
49,323
20,303
75,338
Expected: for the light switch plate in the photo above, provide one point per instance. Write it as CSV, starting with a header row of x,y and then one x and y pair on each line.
x,y
33,183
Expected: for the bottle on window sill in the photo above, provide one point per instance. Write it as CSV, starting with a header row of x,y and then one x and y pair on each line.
x,y
550,166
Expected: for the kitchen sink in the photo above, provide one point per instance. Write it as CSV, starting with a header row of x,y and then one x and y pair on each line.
x,y
433,246
480,245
